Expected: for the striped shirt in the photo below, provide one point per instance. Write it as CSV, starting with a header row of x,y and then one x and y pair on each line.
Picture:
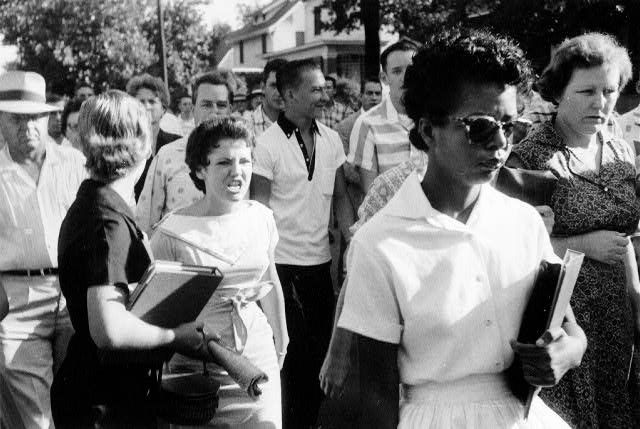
x,y
380,138
31,213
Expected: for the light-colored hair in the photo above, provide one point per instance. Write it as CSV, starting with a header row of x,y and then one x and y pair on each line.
x,y
115,133
582,52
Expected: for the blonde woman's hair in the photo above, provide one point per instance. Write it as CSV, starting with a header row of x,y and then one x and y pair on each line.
x,y
115,133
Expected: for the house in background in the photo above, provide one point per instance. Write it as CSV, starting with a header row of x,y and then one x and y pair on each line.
x,y
292,29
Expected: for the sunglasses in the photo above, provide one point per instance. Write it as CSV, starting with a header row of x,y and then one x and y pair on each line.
x,y
482,128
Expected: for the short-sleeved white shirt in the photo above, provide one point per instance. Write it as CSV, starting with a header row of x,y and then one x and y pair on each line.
x,y
450,294
300,206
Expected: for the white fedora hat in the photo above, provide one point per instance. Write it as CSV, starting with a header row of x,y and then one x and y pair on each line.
x,y
23,93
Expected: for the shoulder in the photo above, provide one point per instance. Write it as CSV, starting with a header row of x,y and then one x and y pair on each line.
x,y
508,206
539,146
259,209
170,149
274,132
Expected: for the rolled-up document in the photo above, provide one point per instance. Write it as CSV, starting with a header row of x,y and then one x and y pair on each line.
x,y
240,369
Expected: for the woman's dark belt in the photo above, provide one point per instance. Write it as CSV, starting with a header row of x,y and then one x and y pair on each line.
x,y
42,272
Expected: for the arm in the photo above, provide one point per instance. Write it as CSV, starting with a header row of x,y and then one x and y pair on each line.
x,y
366,178
379,380
344,210
337,363
609,247
111,326
260,189
273,308
4,302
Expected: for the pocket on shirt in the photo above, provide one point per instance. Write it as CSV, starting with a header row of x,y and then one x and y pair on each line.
x,y
327,181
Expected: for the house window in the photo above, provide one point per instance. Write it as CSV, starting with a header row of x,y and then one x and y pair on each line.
x,y
264,43
241,47
317,21
299,38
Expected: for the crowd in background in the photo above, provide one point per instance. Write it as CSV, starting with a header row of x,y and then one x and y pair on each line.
x,y
371,234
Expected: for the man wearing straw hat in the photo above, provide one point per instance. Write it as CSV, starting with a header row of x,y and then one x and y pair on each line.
x,y
38,183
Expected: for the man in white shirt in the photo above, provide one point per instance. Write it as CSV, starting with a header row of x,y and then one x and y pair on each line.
x,y
380,139
168,186
263,116
38,182
297,171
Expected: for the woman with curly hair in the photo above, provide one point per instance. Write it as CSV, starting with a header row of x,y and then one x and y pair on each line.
x,y
595,208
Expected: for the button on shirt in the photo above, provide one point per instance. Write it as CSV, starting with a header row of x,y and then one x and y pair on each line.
x,y
301,190
380,138
30,212
450,294
167,187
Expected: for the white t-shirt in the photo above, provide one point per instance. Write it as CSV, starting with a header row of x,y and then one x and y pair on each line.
x,y
450,294
300,206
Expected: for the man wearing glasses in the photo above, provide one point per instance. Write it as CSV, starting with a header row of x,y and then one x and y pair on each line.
x,y
168,185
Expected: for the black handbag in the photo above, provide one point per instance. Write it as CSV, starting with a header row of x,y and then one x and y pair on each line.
x,y
185,399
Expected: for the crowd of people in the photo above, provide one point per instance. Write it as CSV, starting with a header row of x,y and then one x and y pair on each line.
x,y
445,186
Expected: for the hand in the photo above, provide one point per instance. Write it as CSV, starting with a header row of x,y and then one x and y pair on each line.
x,y
608,247
281,350
336,365
190,339
546,362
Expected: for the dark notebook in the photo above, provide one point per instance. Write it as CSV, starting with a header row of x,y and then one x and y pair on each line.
x,y
545,309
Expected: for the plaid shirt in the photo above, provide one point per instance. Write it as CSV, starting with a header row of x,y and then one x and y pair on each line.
x,y
257,120
332,116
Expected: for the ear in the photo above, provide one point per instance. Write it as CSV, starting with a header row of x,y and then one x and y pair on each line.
x,y
383,77
200,174
426,132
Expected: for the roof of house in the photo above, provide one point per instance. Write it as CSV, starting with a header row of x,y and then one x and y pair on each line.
x,y
262,26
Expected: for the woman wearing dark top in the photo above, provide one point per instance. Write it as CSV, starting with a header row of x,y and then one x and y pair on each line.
x,y
101,252
595,208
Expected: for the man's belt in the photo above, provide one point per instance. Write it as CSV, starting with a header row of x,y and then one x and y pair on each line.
x,y
36,272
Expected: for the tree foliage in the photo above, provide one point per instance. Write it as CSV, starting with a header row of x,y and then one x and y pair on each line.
x,y
536,24
107,41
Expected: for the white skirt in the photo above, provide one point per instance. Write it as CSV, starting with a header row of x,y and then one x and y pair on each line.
x,y
474,402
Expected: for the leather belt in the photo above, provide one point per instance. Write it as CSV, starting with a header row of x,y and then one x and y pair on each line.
x,y
32,272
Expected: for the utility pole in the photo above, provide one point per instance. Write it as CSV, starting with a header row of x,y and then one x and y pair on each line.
x,y
163,47
370,13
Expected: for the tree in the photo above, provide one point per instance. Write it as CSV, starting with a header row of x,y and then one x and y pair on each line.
x,y
191,47
247,12
108,41
66,41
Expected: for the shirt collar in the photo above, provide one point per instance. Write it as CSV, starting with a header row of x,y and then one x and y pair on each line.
x,y
410,202
289,127
52,155
105,197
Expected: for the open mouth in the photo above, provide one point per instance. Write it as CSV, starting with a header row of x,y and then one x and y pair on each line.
x,y
234,186
492,164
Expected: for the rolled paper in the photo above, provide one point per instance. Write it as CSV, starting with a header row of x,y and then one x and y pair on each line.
x,y
240,369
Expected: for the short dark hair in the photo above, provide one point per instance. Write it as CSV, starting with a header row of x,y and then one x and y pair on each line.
x,y
369,79
207,136
402,45
72,106
152,83
585,51
290,75
211,78
272,66
331,79
451,59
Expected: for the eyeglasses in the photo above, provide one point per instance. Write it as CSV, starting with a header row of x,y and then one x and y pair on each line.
x,y
482,128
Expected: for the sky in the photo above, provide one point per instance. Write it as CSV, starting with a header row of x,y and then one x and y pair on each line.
x,y
226,11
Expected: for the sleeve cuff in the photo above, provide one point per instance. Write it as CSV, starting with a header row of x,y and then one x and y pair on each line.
x,y
375,329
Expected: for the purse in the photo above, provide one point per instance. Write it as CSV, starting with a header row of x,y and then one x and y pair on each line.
x,y
185,399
